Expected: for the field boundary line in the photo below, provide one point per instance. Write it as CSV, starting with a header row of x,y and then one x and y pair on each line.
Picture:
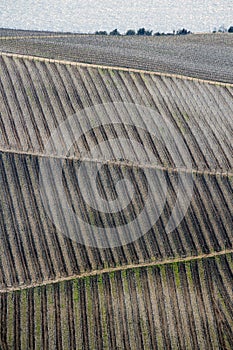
x,y
38,36
122,163
116,68
118,268
61,35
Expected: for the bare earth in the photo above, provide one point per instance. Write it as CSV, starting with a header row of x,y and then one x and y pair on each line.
x,y
206,56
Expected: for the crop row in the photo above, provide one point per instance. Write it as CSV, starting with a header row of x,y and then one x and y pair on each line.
x,y
178,306
33,249
203,56
36,97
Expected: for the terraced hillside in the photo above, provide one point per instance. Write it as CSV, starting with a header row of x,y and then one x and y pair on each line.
x,y
33,250
207,56
156,290
38,96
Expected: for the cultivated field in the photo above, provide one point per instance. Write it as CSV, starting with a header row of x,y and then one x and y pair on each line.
x,y
37,96
33,250
207,56
173,306
160,291
7,32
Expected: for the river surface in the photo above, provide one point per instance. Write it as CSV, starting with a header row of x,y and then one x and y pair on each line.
x,y
91,15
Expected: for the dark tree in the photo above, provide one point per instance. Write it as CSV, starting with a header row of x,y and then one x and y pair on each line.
x,y
114,32
101,32
130,32
230,30
183,32
148,32
141,31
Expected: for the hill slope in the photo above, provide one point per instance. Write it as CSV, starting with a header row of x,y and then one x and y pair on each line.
x,y
61,287
207,56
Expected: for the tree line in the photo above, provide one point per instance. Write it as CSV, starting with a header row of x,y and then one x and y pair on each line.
x,y
142,32
148,32
223,29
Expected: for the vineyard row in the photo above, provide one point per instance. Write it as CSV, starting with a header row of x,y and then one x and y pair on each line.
x,y
36,97
180,306
32,249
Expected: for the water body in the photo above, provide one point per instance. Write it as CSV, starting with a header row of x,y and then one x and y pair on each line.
x,y
91,15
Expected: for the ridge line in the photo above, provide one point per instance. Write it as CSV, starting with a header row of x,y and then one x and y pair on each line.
x,y
118,68
118,268
122,163
39,36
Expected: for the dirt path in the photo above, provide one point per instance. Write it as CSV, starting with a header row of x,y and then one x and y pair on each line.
x,y
118,268
122,163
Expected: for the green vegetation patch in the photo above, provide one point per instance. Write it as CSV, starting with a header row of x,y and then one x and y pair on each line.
x,y
176,271
76,290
